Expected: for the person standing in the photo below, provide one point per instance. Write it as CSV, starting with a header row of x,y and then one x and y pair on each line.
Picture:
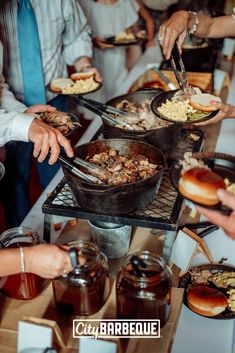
x,y
40,39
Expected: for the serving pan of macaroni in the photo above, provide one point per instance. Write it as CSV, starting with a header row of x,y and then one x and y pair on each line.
x,y
171,107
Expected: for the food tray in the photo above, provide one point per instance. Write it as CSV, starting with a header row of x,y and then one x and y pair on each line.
x,y
163,213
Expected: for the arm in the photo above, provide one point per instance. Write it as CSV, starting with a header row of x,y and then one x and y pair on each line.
x,y
47,261
176,27
149,23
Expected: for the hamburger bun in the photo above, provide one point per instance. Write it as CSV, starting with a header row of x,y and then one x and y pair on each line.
x,y
202,102
200,185
82,75
58,84
206,301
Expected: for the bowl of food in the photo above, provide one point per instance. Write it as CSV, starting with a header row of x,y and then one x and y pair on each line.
x,y
198,176
134,171
78,83
66,123
147,126
174,107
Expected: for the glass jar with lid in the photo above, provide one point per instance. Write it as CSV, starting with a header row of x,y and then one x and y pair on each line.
x,y
84,290
21,285
144,292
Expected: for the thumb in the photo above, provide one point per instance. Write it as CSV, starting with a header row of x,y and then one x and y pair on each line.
x,y
226,198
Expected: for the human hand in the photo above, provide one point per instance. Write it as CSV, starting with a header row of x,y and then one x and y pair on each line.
x,y
223,221
175,28
98,76
226,111
99,42
47,260
45,139
40,108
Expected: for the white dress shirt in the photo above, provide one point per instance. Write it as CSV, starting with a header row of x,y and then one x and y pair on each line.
x,y
13,125
64,37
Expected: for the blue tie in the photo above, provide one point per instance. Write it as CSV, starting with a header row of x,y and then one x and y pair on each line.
x,y
30,55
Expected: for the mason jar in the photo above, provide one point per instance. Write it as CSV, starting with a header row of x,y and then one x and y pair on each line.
x,y
144,292
21,285
84,290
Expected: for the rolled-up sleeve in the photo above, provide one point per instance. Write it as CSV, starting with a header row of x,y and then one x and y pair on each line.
x,y
77,33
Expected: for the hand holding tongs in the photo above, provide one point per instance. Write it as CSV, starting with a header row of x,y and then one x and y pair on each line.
x,y
179,69
101,109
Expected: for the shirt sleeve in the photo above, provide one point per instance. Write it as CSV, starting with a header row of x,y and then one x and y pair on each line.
x,y
14,126
77,34
8,100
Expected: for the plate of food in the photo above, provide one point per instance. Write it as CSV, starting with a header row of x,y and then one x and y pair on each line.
x,y
199,175
78,83
210,290
67,123
195,108
123,38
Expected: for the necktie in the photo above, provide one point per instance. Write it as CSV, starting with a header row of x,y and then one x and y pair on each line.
x,y
30,54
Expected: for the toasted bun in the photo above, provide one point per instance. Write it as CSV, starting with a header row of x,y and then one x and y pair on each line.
x,y
82,75
202,102
206,301
60,83
200,185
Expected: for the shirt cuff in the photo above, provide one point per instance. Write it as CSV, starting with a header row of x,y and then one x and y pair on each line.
x,y
20,126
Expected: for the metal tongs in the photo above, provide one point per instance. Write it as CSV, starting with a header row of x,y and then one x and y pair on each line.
x,y
104,110
89,166
180,72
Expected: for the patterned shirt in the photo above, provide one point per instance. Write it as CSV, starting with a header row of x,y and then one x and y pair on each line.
x,y
64,37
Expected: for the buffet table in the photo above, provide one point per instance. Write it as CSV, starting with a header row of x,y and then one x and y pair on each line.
x,y
194,333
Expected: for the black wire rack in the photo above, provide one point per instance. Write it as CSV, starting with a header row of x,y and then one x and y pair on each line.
x,y
163,213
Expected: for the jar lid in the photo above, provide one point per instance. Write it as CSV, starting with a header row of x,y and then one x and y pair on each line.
x,y
19,236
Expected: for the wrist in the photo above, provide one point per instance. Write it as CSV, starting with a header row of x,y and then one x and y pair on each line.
x,y
27,260
192,22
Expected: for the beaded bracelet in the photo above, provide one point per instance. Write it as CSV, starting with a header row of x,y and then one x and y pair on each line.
x,y
22,259
194,28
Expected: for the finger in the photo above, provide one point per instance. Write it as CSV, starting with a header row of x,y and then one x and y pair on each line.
x,y
54,149
213,216
37,148
49,108
218,117
226,198
64,142
44,147
181,39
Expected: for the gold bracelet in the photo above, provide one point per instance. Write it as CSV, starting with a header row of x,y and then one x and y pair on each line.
x,y
194,28
22,264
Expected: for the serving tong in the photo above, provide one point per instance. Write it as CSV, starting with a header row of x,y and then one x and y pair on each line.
x,y
104,110
88,166
180,72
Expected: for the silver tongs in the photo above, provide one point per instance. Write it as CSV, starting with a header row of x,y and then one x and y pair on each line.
x,y
101,110
179,69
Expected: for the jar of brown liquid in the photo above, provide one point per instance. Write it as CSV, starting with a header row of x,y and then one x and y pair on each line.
x,y
21,285
84,290
144,293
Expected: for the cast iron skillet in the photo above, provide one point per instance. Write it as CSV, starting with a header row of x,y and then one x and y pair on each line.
x,y
120,199
162,98
221,163
163,138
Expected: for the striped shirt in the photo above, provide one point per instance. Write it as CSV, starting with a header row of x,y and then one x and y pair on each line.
x,y
64,37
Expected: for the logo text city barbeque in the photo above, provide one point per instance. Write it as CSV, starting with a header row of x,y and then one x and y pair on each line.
x,y
97,328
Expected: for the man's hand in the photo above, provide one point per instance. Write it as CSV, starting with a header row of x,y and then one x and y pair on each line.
x,y
226,111
99,42
223,221
40,108
45,139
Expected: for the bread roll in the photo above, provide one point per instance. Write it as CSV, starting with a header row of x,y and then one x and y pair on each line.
x,y
206,301
82,75
202,102
60,83
200,185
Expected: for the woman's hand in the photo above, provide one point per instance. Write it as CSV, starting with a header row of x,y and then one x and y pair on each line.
x,y
226,111
223,221
100,43
175,28
47,260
